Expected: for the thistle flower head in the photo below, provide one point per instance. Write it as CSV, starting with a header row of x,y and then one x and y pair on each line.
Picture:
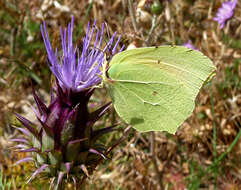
x,y
225,12
63,144
75,69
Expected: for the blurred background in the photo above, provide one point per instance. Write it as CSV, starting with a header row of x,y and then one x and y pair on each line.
x,y
205,152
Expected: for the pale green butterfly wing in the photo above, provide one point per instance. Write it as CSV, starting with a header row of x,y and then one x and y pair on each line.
x,y
154,89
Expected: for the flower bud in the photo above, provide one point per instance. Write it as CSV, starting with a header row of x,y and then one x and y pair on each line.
x,y
156,7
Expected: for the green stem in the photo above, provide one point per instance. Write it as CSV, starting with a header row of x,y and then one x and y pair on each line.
x,y
89,8
220,158
214,134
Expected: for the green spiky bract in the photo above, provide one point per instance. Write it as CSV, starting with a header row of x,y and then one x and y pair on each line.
x,y
63,145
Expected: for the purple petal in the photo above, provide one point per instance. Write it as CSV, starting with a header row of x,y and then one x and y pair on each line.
x,y
27,159
189,45
20,140
67,166
97,152
29,150
225,12
24,131
77,141
234,3
60,178
116,44
39,170
21,146
76,71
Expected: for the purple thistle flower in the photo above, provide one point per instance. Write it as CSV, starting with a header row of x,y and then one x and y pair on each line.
x,y
77,71
64,143
189,45
225,12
